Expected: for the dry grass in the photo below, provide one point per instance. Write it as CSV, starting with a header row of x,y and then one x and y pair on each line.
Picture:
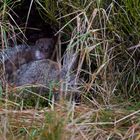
x,y
99,34
71,122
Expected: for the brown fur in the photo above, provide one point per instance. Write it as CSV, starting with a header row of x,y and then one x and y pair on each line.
x,y
13,58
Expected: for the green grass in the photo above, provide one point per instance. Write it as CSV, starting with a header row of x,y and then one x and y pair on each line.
x,y
100,32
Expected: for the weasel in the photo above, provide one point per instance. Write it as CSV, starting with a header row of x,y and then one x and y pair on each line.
x,y
13,58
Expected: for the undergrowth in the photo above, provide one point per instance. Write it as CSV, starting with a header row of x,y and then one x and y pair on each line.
x,y
104,34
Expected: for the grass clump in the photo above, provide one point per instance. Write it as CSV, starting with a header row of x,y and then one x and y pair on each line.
x,y
53,128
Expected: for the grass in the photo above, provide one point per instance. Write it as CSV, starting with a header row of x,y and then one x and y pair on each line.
x,y
100,33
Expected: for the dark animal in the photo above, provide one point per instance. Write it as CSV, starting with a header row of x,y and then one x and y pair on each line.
x,y
12,58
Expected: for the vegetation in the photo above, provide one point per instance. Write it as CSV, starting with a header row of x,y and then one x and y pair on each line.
x,y
105,34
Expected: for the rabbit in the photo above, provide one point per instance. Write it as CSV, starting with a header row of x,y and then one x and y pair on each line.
x,y
13,58
37,72
44,73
